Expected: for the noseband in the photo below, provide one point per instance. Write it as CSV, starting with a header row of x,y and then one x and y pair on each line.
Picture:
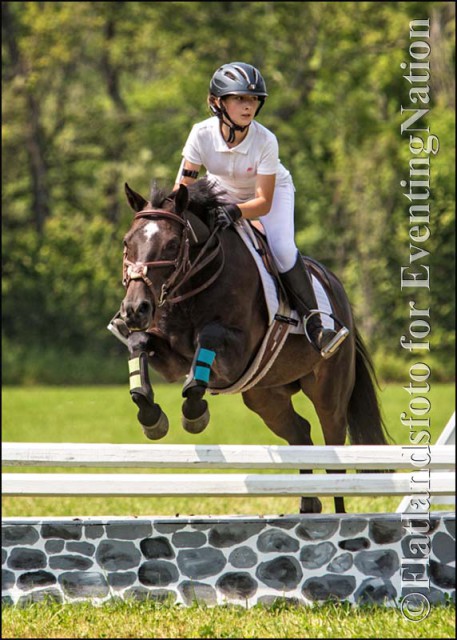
x,y
184,269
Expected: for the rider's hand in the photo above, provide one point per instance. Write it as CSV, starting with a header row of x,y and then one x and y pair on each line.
x,y
227,215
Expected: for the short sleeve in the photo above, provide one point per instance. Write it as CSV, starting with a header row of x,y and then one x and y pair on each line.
x,y
269,159
191,150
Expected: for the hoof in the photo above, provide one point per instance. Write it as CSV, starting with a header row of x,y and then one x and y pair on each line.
x,y
310,505
151,417
158,430
197,425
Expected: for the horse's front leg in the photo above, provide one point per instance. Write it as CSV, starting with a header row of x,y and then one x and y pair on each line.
x,y
150,414
213,341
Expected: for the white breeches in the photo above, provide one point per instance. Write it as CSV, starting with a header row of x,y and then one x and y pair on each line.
x,y
279,227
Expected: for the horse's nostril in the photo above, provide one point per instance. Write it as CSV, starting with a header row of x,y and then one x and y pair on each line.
x,y
143,308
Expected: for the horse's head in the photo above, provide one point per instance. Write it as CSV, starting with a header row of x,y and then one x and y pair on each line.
x,y
157,252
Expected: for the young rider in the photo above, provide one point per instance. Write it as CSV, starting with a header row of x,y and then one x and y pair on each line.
x,y
241,156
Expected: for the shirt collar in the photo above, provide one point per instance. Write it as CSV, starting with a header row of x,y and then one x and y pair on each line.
x,y
221,146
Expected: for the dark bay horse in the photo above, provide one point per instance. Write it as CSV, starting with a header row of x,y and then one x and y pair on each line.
x,y
194,306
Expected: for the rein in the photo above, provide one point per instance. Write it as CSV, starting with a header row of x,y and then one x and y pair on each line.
x,y
184,269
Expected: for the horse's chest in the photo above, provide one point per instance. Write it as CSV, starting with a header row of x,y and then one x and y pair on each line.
x,y
181,344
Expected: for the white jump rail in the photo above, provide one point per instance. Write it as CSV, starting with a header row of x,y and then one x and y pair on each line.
x,y
364,457
212,484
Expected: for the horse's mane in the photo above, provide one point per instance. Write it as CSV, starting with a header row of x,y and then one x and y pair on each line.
x,y
204,198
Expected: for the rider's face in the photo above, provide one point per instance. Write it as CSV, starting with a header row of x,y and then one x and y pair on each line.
x,y
241,109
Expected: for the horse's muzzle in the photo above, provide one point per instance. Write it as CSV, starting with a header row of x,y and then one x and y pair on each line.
x,y
137,315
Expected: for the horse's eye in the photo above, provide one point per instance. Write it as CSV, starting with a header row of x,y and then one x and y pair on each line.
x,y
171,248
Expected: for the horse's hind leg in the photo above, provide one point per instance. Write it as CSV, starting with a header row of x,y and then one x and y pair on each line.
x,y
275,407
330,398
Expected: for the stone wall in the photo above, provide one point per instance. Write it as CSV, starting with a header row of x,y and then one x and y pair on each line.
x,y
242,560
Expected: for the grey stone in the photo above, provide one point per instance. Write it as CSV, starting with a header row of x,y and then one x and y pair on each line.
x,y
64,531
443,547
230,534
417,524
283,523
202,526
188,539
168,527
8,579
121,579
68,562
237,584
13,535
449,523
44,595
313,556
116,555
54,546
283,573
84,584
243,558
356,544
85,548
94,531
341,563
416,546
275,540
23,558
153,548
4,556
412,570
328,587
382,563
385,531
350,526
33,579
375,591
317,529
157,573
201,563
434,596
442,575
129,530
157,595
198,592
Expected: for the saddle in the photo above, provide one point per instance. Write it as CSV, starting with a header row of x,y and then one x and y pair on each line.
x,y
264,252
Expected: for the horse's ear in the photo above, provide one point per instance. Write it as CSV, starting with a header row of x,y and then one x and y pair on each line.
x,y
181,199
136,202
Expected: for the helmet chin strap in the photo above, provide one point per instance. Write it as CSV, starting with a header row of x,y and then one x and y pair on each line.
x,y
221,114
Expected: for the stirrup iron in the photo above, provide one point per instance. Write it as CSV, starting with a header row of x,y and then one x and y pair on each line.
x,y
339,337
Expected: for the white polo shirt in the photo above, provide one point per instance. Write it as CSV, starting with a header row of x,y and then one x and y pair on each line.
x,y
235,169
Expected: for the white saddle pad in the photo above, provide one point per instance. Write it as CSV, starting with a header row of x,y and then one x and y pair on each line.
x,y
269,287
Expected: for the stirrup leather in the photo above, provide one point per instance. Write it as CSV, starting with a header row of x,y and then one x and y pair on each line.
x,y
339,337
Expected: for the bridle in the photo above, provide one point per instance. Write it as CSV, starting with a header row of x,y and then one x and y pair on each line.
x,y
183,268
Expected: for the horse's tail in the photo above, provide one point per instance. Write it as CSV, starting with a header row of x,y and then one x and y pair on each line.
x,y
366,424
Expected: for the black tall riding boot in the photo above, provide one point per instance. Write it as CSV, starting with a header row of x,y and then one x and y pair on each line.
x,y
297,283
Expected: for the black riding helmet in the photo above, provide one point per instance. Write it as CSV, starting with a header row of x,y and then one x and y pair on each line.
x,y
236,79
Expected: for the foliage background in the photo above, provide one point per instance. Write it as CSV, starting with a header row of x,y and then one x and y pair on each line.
x,y
96,94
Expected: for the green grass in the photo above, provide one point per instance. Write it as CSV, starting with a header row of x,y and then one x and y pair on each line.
x,y
107,414
152,620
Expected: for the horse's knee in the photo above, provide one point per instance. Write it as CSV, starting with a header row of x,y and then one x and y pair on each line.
x,y
138,342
